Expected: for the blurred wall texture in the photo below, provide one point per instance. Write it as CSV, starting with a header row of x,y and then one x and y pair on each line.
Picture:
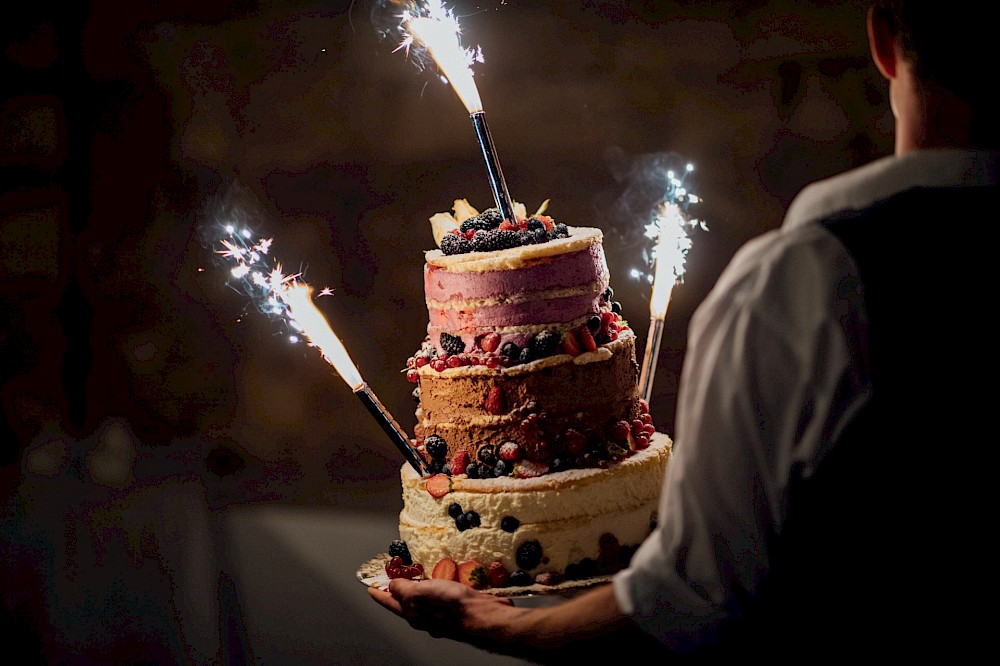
x,y
122,125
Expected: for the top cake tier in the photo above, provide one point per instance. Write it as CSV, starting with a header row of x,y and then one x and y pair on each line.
x,y
517,292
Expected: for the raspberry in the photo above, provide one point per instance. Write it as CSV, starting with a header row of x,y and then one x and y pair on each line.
x,y
619,431
452,343
497,575
459,462
510,451
495,403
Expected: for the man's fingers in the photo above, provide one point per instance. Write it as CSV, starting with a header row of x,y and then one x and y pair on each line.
x,y
386,599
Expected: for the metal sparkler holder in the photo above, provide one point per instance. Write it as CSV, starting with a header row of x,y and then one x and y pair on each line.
x,y
649,357
497,183
392,428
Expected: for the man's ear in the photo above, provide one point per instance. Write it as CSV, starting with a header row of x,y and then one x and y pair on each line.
x,y
882,44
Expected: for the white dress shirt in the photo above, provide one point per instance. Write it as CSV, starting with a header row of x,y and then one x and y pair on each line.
x,y
767,385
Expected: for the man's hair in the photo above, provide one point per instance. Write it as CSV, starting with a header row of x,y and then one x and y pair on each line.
x,y
949,43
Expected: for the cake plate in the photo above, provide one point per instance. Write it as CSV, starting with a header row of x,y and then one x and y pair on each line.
x,y
372,574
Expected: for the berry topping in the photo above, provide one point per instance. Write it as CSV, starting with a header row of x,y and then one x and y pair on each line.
x,y
498,239
520,578
490,342
495,403
459,462
619,431
485,221
462,523
452,343
438,485
529,555
472,470
545,343
396,568
509,524
455,510
398,549
570,344
587,342
446,569
510,351
510,451
472,518
455,244
527,469
436,447
548,578
527,355
473,574
487,455
497,574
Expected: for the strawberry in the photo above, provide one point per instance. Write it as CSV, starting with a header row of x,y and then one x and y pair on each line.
x,y
495,403
497,574
526,469
473,574
490,342
446,569
587,340
570,344
438,485
459,462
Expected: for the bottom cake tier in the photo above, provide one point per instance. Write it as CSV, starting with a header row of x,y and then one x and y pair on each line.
x,y
572,524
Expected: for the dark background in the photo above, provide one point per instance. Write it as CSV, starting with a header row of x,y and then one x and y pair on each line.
x,y
121,125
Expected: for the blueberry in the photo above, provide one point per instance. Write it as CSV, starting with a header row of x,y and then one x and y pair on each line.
x,y
519,577
510,351
616,307
529,555
545,343
509,524
502,468
472,470
436,447
462,522
455,510
487,455
472,518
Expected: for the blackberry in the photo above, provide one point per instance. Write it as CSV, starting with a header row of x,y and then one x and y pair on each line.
x,y
455,510
524,238
510,351
481,222
487,455
509,524
493,215
455,244
452,344
498,239
436,447
435,466
545,343
529,555
520,578
399,549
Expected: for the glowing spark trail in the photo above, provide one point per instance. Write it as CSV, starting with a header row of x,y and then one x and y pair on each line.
x,y
669,229
289,298
438,31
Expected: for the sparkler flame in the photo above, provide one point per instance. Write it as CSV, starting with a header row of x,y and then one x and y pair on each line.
x,y
287,297
437,29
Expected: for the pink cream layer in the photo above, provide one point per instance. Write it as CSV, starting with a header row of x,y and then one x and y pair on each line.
x,y
573,269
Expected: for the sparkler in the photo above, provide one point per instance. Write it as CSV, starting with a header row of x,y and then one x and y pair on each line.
x,y
670,254
438,30
290,298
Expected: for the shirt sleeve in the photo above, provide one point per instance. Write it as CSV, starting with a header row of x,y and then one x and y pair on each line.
x,y
768,380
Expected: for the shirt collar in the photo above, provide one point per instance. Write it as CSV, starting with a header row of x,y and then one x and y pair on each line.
x,y
879,180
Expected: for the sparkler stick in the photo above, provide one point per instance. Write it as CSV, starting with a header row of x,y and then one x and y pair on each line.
x,y
437,29
285,295
314,326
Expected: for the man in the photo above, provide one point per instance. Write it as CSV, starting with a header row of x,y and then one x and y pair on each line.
x,y
826,496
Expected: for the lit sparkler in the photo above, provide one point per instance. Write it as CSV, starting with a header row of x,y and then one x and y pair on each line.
x,y
288,297
436,28
669,228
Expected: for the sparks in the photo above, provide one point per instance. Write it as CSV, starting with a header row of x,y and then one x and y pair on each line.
x,y
286,296
432,25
